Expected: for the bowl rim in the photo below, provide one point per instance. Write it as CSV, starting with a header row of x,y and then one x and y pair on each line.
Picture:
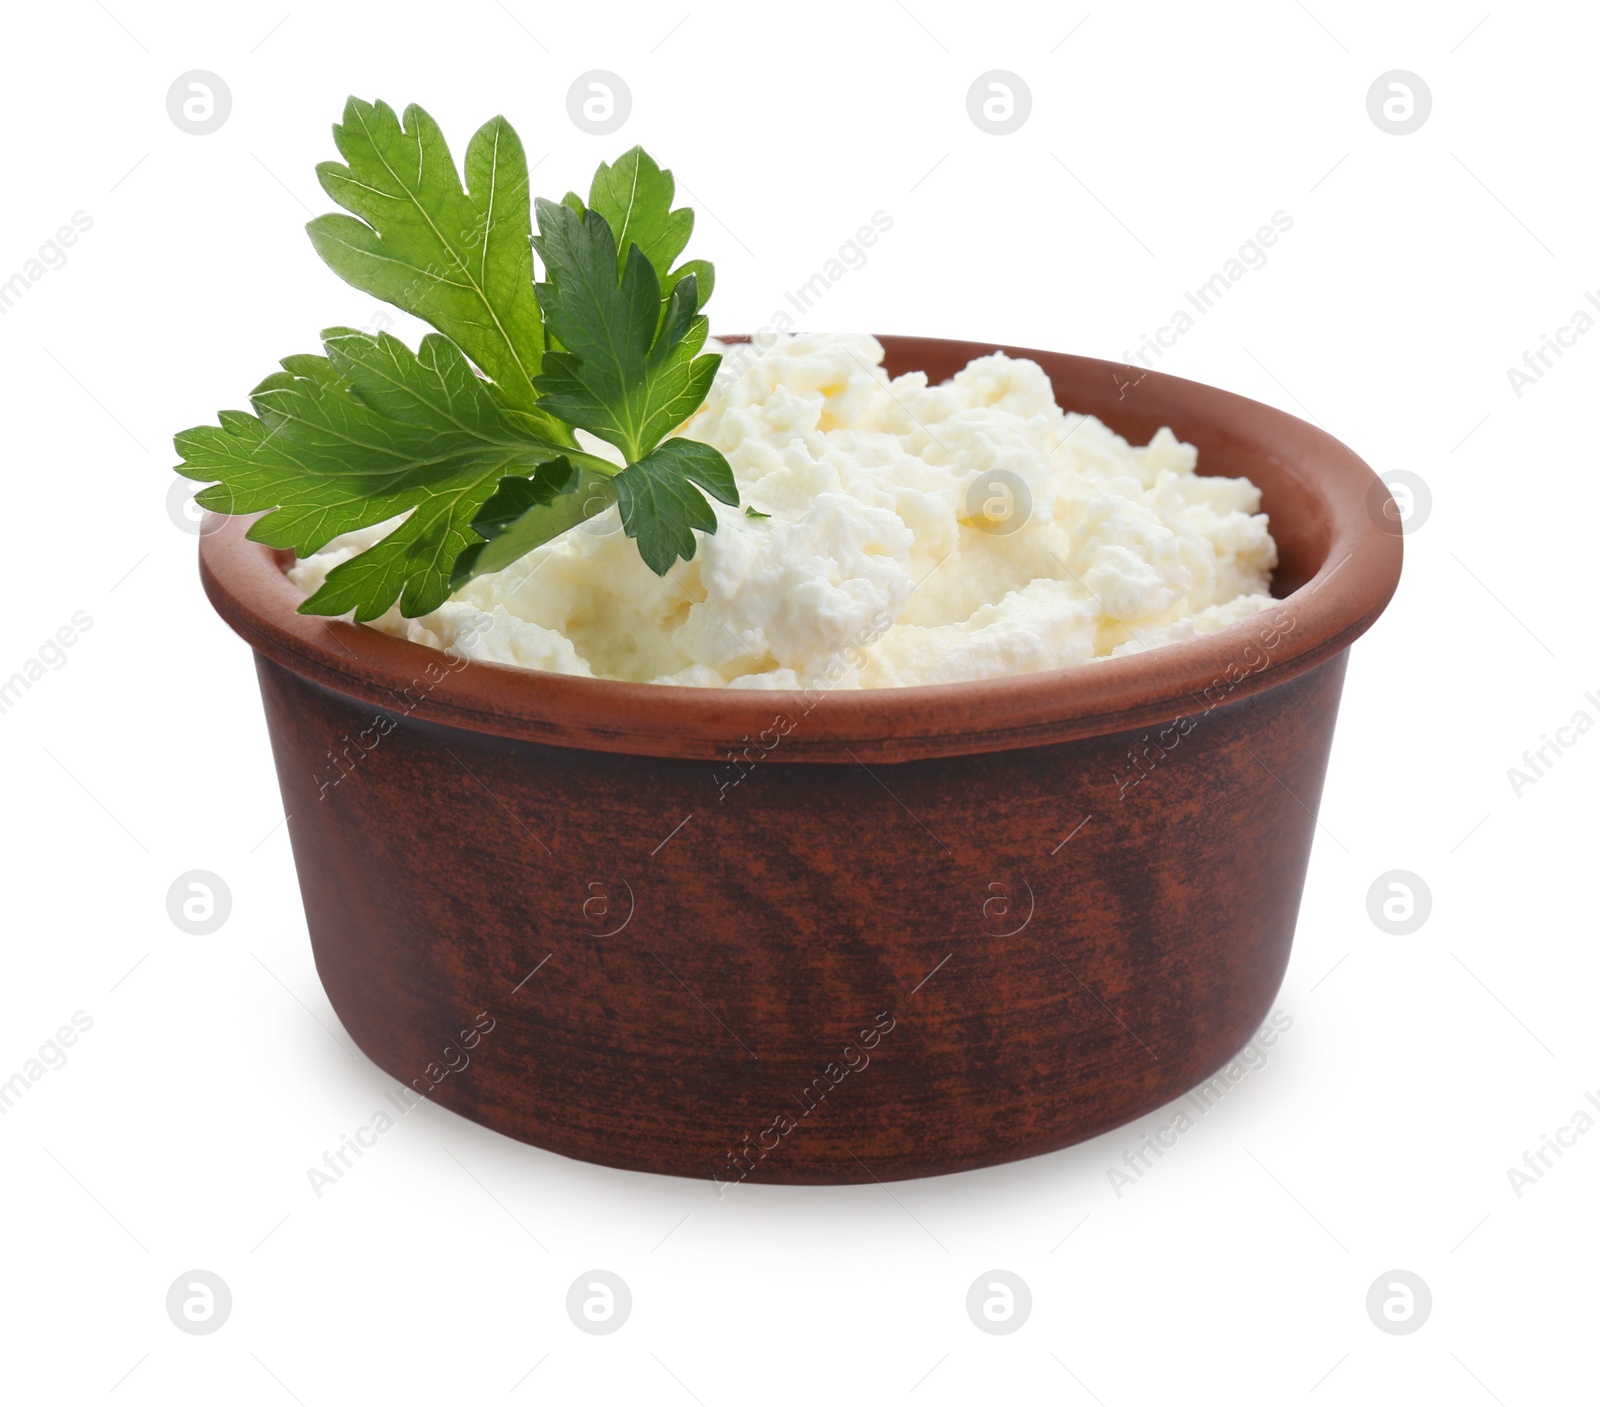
x,y
246,583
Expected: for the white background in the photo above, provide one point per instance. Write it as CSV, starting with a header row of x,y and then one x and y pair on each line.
x,y
1417,1070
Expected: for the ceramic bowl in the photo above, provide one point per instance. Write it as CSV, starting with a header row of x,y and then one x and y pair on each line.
x,y
922,930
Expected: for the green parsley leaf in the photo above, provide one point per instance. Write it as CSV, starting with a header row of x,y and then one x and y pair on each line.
x,y
635,197
514,498
351,439
458,259
616,376
479,455
660,504
527,513
631,378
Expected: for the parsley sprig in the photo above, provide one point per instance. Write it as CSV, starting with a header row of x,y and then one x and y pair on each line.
x,y
473,434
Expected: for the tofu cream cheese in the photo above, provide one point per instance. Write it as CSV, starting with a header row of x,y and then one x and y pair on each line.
x,y
911,534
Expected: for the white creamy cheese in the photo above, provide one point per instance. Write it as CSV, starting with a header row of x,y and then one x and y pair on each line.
x,y
916,534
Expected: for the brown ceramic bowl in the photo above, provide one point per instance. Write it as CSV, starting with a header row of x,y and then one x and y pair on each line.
x,y
928,929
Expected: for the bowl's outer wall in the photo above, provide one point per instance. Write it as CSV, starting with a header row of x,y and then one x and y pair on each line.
x,y
1041,989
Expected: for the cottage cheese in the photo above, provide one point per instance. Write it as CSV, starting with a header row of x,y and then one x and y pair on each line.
x,y
916,534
